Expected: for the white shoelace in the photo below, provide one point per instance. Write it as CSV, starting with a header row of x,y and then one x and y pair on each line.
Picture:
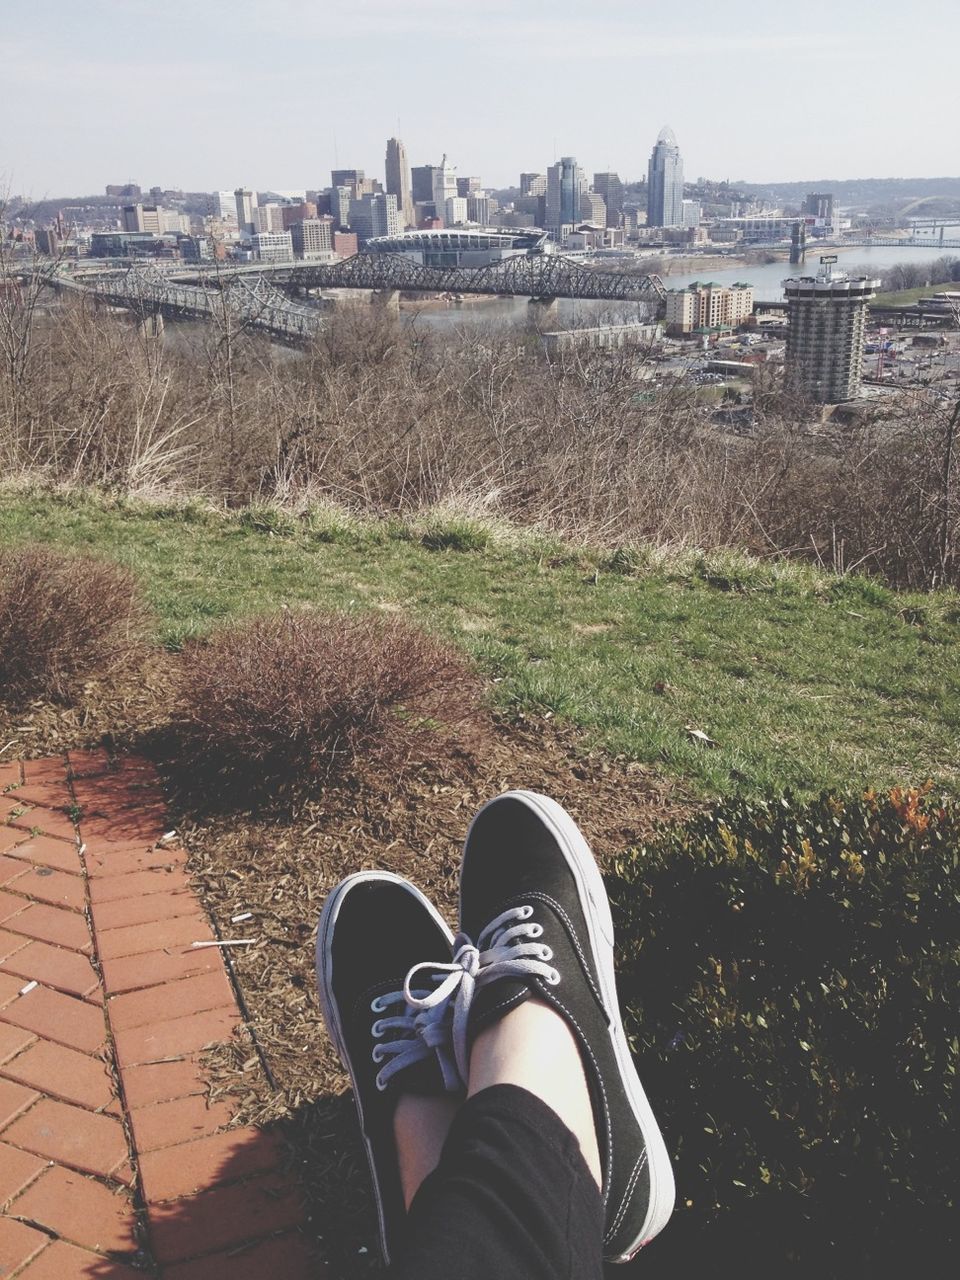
x,y
506,948
425,1034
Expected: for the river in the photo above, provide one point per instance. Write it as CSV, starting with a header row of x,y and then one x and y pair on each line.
x,y
766,280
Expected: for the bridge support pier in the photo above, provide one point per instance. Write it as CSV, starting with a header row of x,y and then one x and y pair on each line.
x,y
542,313
151,326
388,299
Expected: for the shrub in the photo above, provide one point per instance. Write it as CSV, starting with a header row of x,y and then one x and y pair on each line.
x,y
64,619
792,979
279,701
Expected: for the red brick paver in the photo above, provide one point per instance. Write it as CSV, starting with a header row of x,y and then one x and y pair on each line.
x,y
105,1008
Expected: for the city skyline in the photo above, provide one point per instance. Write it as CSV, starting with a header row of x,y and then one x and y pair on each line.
x,y
798,107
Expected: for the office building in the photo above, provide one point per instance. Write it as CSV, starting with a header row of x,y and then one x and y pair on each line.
x,y
398,179
610,187
533,184
593,209
705,307
690,213
353,178
665,182
303,211
566,185
444,185
148,217
375,215
246,203
273,246
467,186
455,211
312,237
421,180
128,191
479,208
269,217
827,316
345,244
819,205
340,200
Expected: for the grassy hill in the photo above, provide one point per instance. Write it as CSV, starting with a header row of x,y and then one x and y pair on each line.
x,y
801,679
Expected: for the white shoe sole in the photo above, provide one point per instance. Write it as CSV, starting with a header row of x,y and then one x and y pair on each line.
x,y
331,1012
596,910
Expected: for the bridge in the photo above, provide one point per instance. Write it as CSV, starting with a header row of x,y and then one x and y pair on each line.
x,y
543,276
882,242
243,302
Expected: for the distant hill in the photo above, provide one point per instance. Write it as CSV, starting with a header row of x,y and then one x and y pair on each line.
x,y
865,193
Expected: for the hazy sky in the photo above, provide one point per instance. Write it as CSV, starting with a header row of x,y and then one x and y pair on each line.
x,y
209,94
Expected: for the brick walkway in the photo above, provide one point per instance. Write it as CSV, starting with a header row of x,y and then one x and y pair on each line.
x,y
112,1166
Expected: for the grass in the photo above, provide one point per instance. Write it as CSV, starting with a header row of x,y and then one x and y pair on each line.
x,y
906,297
803,681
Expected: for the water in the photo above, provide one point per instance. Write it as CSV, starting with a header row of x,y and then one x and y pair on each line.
x,y
766,280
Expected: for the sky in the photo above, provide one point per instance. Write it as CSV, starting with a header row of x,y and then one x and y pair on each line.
x,y
213,94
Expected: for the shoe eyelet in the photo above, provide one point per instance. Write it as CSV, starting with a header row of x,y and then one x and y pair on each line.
x,y
526,912
377,1055
553,979
546,954
375,1005
535,931
377,1029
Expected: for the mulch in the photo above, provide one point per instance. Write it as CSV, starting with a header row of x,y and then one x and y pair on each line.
x,y
278,867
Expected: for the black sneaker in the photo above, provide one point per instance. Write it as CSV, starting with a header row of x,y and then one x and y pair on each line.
x,y
533,902
374,928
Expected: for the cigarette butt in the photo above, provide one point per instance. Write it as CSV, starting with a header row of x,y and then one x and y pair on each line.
x,y
29,987
238,919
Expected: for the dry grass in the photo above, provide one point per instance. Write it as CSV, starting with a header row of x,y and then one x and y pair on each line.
x,y
65,619
293,698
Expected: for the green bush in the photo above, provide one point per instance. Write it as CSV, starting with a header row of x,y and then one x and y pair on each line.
x,y
792,981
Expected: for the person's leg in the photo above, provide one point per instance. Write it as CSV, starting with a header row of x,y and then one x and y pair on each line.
x,y
511,1198
532,1047
420,1128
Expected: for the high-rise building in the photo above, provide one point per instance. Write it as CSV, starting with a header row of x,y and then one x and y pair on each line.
x,y
269,217
340,199
708,305
610,187
479,208
421,178
593,209
398,179
347,178
273,246
223,205
689,213
246,202
566,185
826,324
455,211
345,244
819,205
304,211
665,182
444,185
826,321
312,237
128,191
467,186
375,215
533,184
144,217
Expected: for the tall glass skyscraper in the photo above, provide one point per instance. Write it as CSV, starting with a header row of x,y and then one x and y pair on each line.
x,y
565,184
665,182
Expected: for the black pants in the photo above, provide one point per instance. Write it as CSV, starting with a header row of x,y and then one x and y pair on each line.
x,y
511,1197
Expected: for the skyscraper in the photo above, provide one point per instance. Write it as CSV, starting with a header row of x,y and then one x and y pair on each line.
x,y
826,322
422,175
665,182
398,179
246,203
610,187
444,185
565,185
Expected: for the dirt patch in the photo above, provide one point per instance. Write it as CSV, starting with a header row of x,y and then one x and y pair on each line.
x,y
280,870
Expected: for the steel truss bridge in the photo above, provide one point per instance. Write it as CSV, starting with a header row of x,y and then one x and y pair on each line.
x,y
880,242
542,276
241,302
257,297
